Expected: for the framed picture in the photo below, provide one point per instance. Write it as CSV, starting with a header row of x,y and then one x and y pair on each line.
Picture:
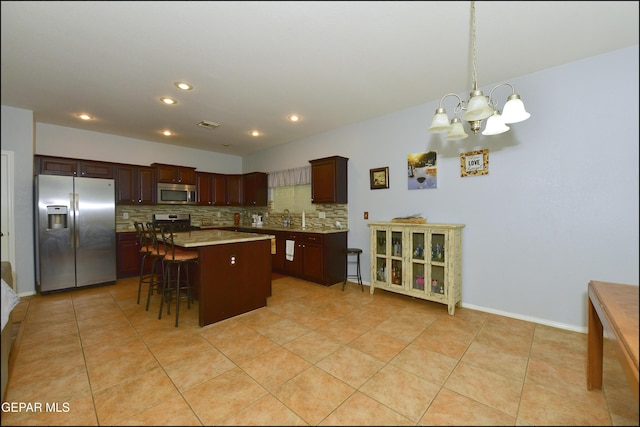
x,y
474,163
422,170
379,178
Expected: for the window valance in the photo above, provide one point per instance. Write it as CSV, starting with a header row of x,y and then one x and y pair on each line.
x,y
288,177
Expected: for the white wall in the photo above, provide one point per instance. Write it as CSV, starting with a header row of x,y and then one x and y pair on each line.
x,y
558,208
17,136
81,144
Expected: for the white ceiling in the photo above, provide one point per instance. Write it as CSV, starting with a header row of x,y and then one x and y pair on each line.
x,y
254,63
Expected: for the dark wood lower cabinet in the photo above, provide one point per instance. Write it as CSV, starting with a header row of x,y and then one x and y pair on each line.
x,y
233,278
317,257
312,260
127,254
328,261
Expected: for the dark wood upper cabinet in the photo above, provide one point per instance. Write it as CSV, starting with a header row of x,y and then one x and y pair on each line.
x,y
47,165
55,166
175,174
203,189
234,190
329,180
255,189
211,189
135,185
147,185
219,189
89,169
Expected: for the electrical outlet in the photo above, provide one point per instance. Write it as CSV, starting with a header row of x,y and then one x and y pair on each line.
x,y
125,215
321,215
366,215
218,214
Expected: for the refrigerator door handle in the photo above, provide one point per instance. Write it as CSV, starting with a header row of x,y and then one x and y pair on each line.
x,y
76,214
72,226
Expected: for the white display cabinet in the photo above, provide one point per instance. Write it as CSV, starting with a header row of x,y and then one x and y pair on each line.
x,y
419,260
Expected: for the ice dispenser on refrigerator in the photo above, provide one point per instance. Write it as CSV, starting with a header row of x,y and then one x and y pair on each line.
x,y
57,217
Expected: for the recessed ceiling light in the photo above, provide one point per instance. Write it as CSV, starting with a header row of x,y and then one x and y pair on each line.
x,y
255,133
167,132
294,118
168,101
183,85
84,116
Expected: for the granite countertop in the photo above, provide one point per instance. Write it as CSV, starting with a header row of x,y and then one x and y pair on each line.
x,y
296,229
196,238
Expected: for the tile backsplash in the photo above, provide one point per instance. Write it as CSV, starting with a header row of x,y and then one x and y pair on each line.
x,y
223,216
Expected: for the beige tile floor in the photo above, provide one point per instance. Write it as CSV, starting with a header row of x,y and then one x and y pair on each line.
x,y
313,356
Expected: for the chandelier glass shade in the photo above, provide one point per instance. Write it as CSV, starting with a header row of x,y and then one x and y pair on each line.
x,y
456,131
478,107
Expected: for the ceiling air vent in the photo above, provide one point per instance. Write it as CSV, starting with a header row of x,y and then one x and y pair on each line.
x,y
208,125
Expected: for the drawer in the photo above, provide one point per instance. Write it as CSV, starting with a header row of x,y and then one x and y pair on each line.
x,y
310,238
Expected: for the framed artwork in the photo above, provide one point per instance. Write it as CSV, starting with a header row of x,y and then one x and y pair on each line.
x,y
474,163
379,178
422,170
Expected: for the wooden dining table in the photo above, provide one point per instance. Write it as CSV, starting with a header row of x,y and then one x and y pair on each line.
x,y
613,307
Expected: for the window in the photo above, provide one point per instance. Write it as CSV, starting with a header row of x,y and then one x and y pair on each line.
x,y
296,198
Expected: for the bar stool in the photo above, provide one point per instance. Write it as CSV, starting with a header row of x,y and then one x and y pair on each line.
x,y
157,254
175,284
145,250
353,252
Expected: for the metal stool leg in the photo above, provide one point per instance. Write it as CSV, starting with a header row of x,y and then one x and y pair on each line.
x,y
359,275
346,274
142,275
156,283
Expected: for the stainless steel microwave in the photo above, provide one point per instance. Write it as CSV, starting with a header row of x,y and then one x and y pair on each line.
x,y
176,194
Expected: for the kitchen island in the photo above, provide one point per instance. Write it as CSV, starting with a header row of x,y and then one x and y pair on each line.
x,y
233,273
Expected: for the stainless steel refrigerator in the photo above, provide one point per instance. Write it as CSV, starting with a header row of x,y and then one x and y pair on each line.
x,y
75,231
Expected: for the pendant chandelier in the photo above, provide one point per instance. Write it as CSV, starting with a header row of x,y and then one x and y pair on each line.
x,y
479,106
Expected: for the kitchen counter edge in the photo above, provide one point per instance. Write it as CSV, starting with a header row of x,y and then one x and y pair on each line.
x,y
249,229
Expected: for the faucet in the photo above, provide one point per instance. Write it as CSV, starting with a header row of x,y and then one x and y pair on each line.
x,y
287,222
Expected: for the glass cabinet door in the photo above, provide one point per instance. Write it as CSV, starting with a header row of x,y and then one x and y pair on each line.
x,y
418,241
389,256
396,250
380,236
439,248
